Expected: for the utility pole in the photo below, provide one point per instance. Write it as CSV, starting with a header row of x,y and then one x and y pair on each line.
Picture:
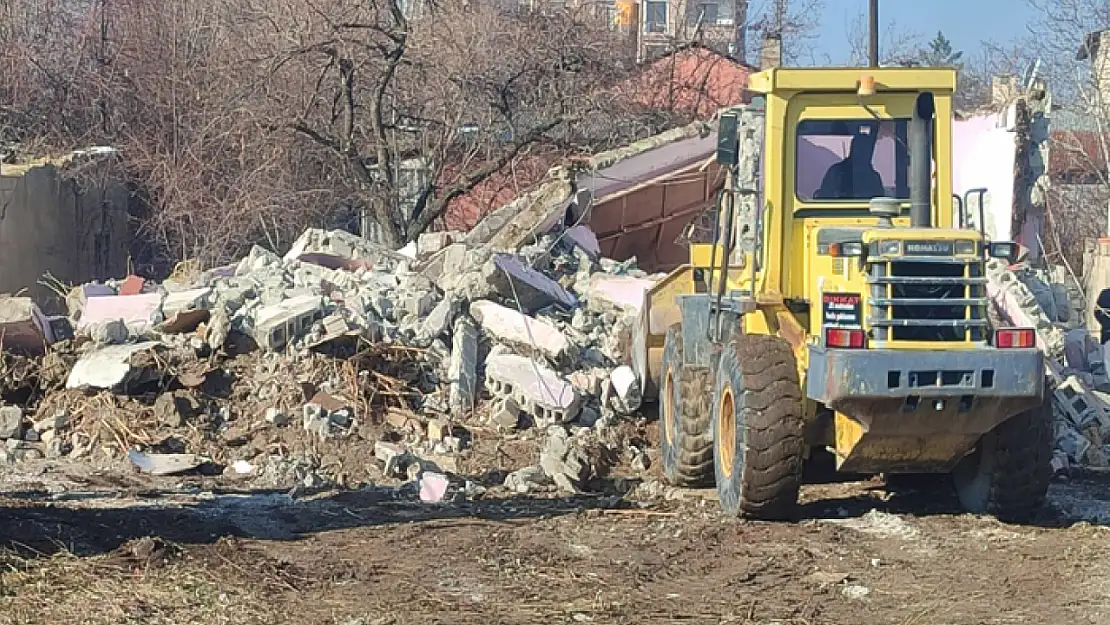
x,y
740,39
873,34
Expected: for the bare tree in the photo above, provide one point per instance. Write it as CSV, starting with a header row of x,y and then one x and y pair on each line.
x,y
244,121
419,112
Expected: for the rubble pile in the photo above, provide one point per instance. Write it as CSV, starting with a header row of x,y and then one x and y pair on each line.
x,y
1051,302
339,362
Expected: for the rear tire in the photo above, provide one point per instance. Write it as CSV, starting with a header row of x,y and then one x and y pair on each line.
x,y
758,428
687,438
1008,475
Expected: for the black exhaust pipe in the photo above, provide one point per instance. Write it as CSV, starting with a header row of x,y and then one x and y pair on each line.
x,y
921,160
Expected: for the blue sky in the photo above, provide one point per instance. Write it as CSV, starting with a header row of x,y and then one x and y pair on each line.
x,y
966,23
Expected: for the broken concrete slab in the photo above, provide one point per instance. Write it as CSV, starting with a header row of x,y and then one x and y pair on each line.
x,y
429,243
23,326
139,312
181,301
525,333
584,239
529,288
605,292
539,390
164,464
451,259
532,213
339,249
439,321
106,367
527,480
462,368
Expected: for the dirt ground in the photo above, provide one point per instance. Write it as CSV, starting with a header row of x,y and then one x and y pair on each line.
x,y
125,550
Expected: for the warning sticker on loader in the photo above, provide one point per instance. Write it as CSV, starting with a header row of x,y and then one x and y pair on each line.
x,y
842,309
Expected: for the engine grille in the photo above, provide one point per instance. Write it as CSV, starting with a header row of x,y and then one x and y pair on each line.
x,y
927,298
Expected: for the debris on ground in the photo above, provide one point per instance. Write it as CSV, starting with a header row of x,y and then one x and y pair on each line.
x,y
1050,302
339,362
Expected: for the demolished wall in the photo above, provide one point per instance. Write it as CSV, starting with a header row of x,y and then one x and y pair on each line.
x,y
1005,151
66,217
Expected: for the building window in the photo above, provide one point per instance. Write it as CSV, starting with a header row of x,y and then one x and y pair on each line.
x,y
655,16
706,11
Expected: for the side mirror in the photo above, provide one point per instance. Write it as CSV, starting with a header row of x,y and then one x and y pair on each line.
x,y
728,140
1005,250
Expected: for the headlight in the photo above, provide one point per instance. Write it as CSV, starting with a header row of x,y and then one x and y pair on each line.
x,y
964,248
890,248
1005,250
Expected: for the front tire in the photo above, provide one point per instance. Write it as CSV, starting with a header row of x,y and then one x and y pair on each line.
x,y
687,439
1008,475
758,428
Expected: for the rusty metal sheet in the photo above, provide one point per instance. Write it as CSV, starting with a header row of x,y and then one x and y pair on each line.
x,y
643,203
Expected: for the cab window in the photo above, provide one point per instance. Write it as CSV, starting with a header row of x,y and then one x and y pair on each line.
x,y
852,160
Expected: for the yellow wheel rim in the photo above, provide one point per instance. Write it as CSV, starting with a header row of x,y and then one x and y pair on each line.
x,y
726,431
668,407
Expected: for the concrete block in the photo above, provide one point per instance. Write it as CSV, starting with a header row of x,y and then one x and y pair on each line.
x,y
11,422
275,326
506,415
517,281
539,390
1081,407
23,326
462,368
530,335
431,242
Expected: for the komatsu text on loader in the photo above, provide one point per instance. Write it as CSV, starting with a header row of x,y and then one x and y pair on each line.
x,y
840,304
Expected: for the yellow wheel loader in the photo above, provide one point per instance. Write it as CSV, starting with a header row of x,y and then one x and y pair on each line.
x,y
840,304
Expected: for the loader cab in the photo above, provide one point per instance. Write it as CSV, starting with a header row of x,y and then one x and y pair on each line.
x,y
835,139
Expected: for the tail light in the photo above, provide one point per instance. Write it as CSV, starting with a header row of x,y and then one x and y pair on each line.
x,y
844,337
1015,338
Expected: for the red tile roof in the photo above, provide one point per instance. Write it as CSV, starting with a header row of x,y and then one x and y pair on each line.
x,y
1076,154
694,81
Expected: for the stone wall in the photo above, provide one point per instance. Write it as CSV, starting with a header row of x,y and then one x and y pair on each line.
x,y
64,217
